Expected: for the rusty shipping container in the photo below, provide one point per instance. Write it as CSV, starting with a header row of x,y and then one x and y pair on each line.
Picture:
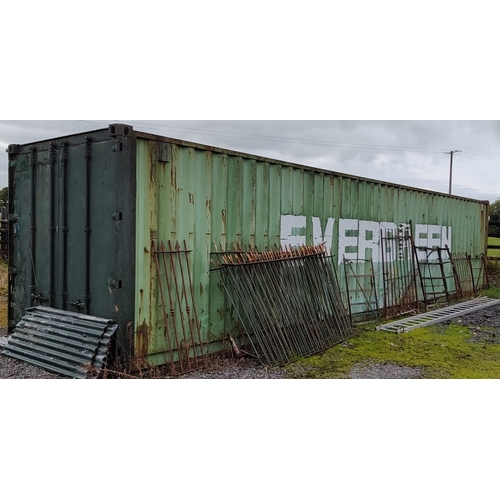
x,y
96,218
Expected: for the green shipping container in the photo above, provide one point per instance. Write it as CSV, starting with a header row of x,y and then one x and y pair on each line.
x,y
88,214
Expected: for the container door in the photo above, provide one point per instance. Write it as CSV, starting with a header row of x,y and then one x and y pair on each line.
x,y
72,220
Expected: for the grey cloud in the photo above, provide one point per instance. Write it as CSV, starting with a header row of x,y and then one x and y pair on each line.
x,y
304,142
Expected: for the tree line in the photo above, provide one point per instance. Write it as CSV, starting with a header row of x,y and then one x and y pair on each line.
x,y
4,196
495,217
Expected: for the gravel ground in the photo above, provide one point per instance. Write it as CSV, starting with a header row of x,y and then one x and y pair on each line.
x,y
12,368
242,368
484,326
383,371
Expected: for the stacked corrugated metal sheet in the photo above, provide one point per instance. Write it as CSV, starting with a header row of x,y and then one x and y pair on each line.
x,y
71,344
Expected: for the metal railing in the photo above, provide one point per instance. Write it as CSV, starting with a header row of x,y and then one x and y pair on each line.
x,y
288,301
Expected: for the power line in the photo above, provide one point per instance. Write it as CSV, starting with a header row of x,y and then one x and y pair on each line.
x,y
281,139
478,159
312,141
239,135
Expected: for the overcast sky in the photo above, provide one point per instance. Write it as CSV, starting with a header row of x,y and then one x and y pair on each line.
x,y
408,152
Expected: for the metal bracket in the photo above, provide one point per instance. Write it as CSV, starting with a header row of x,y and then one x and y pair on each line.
x,y
118,147
163,152
115,284
117,216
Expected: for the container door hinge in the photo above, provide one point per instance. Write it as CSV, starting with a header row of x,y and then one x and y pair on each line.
x,y
118,147
117,216
39,297
78,304
12,270
13,217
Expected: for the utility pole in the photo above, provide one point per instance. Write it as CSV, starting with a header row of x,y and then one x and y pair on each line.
x,y
451,163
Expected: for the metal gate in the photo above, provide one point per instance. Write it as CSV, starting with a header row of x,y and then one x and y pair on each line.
x,y
361,288
399,271
181,325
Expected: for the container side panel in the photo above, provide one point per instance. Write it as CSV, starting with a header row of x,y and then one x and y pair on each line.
x,y
261,191
218,185
235,199
145,305
275,204
214,200
201,239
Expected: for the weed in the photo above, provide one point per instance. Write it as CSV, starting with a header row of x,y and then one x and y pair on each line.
x,y
493,292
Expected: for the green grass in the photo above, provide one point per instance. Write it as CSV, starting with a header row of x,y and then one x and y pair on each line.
x,y
493,252
442,352
493,292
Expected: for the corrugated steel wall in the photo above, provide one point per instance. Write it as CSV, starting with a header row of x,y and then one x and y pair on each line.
x,y
205,196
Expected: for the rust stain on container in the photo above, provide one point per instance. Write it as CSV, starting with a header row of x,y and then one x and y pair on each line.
x,y
142,340
223,213
152,170
173,177
141,301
